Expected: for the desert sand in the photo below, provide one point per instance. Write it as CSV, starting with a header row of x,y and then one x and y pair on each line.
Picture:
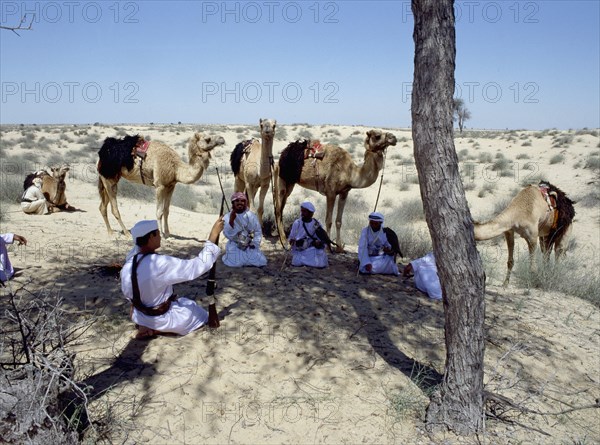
x,y
314,356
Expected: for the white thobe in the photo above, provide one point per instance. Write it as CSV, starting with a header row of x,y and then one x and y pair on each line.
x,y
156,275
6,269
370,251
38,204
307,255
245,226
426,276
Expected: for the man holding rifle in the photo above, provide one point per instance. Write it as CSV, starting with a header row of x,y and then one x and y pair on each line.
x,y
147,280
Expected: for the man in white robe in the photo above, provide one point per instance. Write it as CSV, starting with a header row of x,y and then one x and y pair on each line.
x,y
244,234
33,200
375,252
6,268
158,310
426,276
307,248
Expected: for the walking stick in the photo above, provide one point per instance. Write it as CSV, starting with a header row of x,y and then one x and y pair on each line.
x,y
213,317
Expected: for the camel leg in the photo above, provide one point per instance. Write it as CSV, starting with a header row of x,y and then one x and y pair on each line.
x,y
239,185
104,204
531,245
264,188
338,221
251,192
163,198
510,243
111,189
561,244
283,191
166,206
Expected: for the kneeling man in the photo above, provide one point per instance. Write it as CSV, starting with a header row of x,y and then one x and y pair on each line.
x,y
244,235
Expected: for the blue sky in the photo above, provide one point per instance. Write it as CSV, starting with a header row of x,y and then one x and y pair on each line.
x,y
520,64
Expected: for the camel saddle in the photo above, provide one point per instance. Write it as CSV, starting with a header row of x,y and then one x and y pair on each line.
x,y
314,149
550,198
140,150
246,144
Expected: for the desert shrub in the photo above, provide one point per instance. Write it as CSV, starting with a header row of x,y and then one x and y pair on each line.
x,y
408,211
586,130
526,144
485,157
592,162
469,186
41,403
404,186
533,178
590,200
562,140
306,134
135,191
463,154
184,197
281,133
488,188
414,242
572,275
523,156
556,159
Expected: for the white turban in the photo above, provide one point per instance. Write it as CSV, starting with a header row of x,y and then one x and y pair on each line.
x,y
308,206
376,216
143,227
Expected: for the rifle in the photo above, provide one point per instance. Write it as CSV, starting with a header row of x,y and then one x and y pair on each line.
x,y
213,316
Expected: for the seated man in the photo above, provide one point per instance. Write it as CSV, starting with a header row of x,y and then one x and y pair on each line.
x,y
6,269
375,251
244,235
33,200
147,280
308,239
426,276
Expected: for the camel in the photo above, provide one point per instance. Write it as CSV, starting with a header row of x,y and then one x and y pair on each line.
x,y
158,166
533,214
251,165
53,186
330,171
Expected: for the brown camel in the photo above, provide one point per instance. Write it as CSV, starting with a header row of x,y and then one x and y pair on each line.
x,y
251,165
53,186
160,168
330,171
538,211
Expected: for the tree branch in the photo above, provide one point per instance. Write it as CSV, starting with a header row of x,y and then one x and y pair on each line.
x,y
21,25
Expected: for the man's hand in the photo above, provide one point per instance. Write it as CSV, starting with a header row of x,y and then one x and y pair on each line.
x,y
20,239
369,268
217,228
232,217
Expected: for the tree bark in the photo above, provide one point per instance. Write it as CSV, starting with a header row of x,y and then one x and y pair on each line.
x,y
458,403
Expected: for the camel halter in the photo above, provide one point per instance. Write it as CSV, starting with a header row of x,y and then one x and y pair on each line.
x,y
381,180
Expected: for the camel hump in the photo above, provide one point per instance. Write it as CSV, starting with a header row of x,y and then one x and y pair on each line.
x,y
291,161
115,154
237,154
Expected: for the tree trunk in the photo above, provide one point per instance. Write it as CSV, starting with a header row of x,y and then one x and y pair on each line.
x,y
458,404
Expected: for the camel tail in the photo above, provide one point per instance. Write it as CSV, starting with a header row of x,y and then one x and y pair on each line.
x,y
566,214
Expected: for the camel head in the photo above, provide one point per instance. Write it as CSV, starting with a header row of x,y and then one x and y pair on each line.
x,y
267,128
377,140
200,143
59,173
